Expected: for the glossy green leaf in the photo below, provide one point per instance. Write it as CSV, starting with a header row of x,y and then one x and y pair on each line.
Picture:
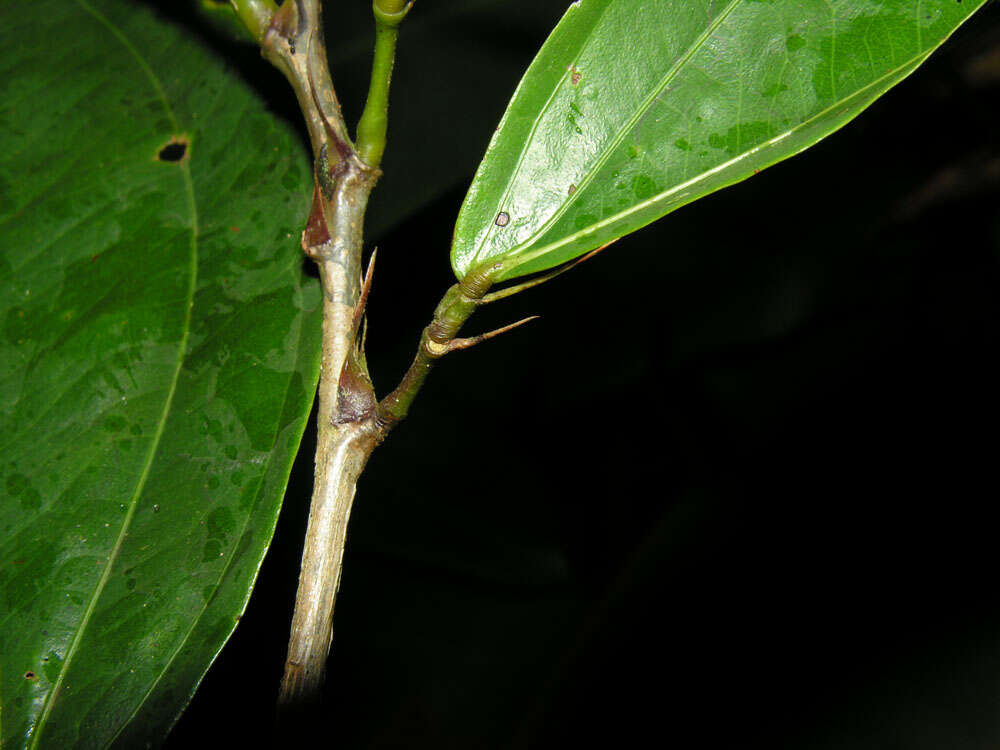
x,y
634,108
158,357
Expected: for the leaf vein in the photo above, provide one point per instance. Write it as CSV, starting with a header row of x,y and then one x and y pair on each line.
x,y
53,695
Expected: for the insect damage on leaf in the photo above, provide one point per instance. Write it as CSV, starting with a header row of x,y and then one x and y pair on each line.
x,y
175,150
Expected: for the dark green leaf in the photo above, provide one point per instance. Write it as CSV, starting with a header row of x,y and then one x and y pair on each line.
x,y
634,108
158,358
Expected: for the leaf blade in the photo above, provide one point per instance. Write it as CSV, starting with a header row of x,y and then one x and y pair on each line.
x,y
121,577
655,104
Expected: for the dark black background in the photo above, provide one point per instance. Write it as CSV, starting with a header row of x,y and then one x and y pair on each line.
x,y
736,489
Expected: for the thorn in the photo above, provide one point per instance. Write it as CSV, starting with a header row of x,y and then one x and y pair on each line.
x,y
366,287
512,290
467,343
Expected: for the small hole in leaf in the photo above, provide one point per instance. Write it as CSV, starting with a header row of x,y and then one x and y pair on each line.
x,y
29,675
173,151
503,219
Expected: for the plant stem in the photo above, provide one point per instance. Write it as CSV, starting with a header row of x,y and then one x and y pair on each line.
x,y
333,238
255,15
374,119
350,423
341,454
437,339
342,449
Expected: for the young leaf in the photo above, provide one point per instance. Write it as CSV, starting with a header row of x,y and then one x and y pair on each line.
x,y
158,357
634,108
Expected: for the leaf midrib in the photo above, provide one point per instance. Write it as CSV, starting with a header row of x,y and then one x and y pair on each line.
x,y
53,694
635,208
520,259
625,129
640,113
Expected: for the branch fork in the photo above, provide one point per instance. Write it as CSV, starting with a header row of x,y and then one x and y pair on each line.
x,y
352,422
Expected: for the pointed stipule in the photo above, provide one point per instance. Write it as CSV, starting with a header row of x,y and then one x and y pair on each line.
x,y
467,343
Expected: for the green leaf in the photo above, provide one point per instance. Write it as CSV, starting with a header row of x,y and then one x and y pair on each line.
x,y
158,357
634,108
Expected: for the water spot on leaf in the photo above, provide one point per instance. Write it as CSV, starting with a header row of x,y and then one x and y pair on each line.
x,y
741,137
290,180
21,326
774,90
31,499
248,495
644,187
6,203
214,428
585,220
114,423
52,666
220,523
795,42
245,543
257,411
682,144
16,484
211,551
19,486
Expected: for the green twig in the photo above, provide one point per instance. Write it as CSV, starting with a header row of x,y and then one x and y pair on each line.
x,y
374,120
458,303
438,339
255,15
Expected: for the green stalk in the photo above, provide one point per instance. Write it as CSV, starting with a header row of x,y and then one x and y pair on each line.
x,y
438,338
374,120
255,15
